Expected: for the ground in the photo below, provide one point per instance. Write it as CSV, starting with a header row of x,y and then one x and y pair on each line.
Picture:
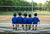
x,y
6,17
44,19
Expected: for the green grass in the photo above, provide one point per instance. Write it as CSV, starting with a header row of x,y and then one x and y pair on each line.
x,y
28,12
6,13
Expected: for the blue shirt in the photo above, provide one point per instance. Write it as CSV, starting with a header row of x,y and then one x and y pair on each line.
x,y
20,20
29,20
25,20
36,20
14,20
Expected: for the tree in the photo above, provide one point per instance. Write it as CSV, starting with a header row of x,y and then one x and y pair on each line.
x,y
47,4
15,3
40,4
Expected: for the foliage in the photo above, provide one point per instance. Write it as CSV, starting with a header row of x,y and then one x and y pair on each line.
x,y
22,3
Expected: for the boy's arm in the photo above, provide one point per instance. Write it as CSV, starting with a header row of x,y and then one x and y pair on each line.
x,y
38,21
27,20
32,19
17,20
22,20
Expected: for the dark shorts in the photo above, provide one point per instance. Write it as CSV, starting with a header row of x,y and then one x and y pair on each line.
x,y
35,23
14,23
24,23
20,23
29,23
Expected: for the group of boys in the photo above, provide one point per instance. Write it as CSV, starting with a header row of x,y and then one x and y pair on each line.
x,y
24,20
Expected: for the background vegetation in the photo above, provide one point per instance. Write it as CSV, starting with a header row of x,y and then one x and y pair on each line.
x,y
23,3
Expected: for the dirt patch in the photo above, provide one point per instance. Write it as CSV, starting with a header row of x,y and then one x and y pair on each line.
x,y
45,19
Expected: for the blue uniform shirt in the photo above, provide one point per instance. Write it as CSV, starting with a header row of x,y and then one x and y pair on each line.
x,y
20,20
36,20
29,20
14,20
25,20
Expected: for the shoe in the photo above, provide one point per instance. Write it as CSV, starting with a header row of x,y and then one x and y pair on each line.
x,y
33,29
16,29
29,28
23,28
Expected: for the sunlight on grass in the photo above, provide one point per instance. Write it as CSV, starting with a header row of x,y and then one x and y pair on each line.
x,y
28,12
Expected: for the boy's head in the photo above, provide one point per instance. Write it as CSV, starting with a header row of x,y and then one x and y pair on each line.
x,y
35,14
19,14
29,15
14,14
25,15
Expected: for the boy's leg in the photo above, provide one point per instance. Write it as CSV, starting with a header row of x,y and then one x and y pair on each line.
x,y
13,26
29,27
16,26
35,27
23,26
26,26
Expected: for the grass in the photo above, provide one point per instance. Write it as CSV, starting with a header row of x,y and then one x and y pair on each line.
x,y
6,13
28,12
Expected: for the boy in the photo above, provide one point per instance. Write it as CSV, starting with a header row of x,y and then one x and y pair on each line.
x,y
29,21
35,21
25,21
14,21
20,19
